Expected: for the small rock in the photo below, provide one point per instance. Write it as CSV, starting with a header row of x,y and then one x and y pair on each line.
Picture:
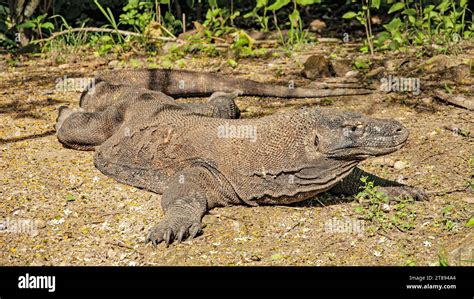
x,y
210,219
376,20
386,207
113,64
341,67
427,101
399,165
317,26
316,66
111,253
40,223
352,74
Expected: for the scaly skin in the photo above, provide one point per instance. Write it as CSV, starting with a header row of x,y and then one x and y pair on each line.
x,y
199,162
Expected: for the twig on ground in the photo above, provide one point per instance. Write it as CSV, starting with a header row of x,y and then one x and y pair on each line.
x,y
102,30
448,191
457,100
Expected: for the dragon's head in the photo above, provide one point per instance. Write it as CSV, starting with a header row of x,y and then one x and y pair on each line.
x,y
353,136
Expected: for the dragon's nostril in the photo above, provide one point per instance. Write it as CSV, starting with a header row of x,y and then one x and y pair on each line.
x,y
399,130
316,141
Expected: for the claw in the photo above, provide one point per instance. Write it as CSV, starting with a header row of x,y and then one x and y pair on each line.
x,y
180,234
167,236
194,230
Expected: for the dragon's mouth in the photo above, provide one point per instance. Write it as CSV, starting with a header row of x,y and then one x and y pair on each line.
x,y
364,152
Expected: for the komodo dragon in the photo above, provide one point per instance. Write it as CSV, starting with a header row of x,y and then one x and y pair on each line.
x,y
199,157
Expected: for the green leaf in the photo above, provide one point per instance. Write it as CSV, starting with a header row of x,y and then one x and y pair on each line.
x,y
47,25
394,45
261,3
249,15
295,18
394,25
307,2
279,4
409,12
277,256
232,63
349,15
383,36
375,4
396,7
470,222
27,24
443,261
70,197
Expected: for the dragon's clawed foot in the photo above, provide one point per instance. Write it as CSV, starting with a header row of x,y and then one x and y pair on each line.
x,y
404,193
174,229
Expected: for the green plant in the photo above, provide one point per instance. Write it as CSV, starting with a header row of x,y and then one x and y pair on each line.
x,y
374,201
38,24
443,24
262,19
443,260
69,43
138,14
109,16
174,24
7,38
362,63
296,34
107,42
217,20
375,207
470,222
448,219
405,215
363,16
242,45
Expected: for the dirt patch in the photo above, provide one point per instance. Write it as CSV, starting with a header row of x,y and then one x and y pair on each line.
x,y
81,217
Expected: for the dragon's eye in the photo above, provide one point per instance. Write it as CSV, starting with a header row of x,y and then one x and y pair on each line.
x,y
356,127
316,140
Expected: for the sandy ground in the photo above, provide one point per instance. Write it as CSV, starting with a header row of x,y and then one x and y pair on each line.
x,y
57,209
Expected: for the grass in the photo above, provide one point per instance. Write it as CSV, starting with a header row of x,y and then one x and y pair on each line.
x,y
375,207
